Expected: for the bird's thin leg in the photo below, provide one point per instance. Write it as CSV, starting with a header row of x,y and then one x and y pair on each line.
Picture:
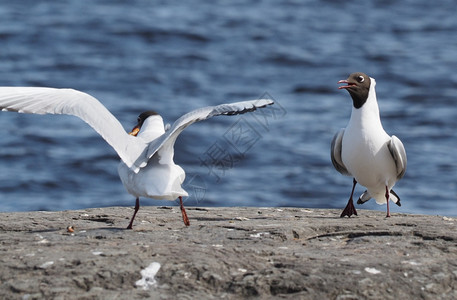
x,y
349,210
387,198
183,212
137,207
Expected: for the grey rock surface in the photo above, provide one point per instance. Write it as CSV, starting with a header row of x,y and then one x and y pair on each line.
x,y
227,253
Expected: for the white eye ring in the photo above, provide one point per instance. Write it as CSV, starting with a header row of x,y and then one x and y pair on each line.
x,y
361,78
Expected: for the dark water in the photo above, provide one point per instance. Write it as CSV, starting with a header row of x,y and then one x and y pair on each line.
x,y
174,56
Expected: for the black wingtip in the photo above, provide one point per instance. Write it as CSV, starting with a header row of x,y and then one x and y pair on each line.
x,y
398,197
249,109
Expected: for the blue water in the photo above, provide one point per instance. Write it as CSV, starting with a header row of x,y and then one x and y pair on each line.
x,y
175,56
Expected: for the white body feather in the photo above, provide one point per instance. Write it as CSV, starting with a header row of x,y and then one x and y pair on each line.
x,y
365,151
161,178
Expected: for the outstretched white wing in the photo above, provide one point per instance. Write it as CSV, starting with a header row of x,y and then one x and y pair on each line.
x,y
38,100
168,139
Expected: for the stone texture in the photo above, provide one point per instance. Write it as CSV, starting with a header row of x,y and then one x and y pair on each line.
x,y
227,253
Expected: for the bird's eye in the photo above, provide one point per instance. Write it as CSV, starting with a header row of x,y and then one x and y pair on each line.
x,y
139,119
361,78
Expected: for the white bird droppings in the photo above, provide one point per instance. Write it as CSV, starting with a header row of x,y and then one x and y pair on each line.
x,y
411,262
148,274
257,235
372,270
46,264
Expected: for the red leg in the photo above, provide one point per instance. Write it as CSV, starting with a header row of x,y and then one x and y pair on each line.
x,y
349,210
387,198
137,207
183,212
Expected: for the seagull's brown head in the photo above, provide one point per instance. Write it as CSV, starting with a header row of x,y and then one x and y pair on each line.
x,y
141,118
358,86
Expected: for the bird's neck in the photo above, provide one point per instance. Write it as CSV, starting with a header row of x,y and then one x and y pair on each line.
x,y
368,114
152,128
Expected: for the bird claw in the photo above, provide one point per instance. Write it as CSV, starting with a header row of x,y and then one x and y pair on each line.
x,y
349,210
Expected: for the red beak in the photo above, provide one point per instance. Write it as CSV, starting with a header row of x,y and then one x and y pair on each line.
x,y
349,84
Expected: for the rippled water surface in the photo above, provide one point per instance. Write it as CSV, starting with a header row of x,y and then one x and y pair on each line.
x,y
174,56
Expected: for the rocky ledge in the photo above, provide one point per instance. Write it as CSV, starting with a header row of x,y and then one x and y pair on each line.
x,y
227,253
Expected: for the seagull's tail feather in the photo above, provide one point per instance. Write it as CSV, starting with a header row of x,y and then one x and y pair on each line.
x,y
366,196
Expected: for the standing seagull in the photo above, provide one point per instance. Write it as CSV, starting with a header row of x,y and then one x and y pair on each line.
x,y
364,150
147,168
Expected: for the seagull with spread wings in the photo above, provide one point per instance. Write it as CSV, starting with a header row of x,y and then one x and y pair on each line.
x,y
147,168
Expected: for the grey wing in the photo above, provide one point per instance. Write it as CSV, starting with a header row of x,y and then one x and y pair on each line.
x,y
335,153
397,150
364,197
169,137
39,100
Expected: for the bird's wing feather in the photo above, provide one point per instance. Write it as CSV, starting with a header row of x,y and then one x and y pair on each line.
x,y
335,153
38,100
364,197
169,137
397,150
